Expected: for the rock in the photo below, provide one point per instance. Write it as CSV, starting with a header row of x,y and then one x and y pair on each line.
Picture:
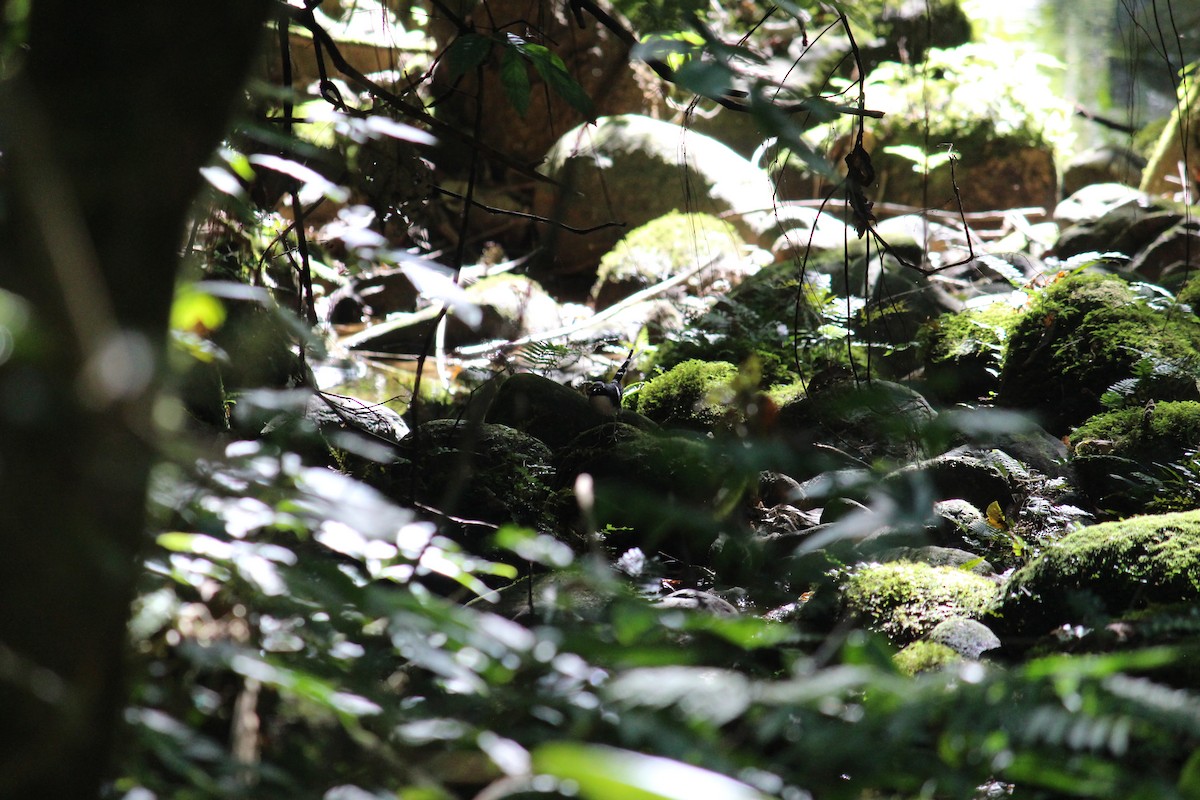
x,y
1170,258
925,656
666,247
963,351
1122,457
755,319
1090,203
1082,335
335,416
632,169
878,420
373,295
939,100
548,411
978,477
905,601
969,638
801,230
697,600
1126,229
937,557
505,475
514,306
688,395
775,488
653,490
1103,571
1105,164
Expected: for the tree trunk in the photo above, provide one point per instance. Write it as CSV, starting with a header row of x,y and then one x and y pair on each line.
x,y
104,128
1161,175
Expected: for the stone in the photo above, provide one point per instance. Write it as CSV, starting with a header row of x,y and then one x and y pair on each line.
x,y
969,638
1102,571
631,169
550,412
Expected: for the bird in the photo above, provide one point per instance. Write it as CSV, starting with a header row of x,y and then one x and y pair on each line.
x,y
605,396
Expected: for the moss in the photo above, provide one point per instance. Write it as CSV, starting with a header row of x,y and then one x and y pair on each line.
x,y
1140,459
666,246
758,318
1082,335
964,351
1106,570
687,395
907,600
1166,430
924,656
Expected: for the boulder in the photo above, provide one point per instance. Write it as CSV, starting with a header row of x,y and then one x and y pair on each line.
x,y
1103,571
548,411
1086,333
631,169
876,420
1127,460
506,475
906,601
689,395
666,247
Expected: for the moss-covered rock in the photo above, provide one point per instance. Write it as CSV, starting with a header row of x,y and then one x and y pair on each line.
x,y
665,247
877,421
1086,333
653,490
969,638
689,395
924,656
632,168
907,600
755,319
998,112
485,471
1124,458
549,411
963,351
1103,571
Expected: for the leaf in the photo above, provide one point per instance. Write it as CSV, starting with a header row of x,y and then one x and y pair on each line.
x,y
313,185
554,72
532,546
514,79
609,773
705,78
995,516
707,694
466,53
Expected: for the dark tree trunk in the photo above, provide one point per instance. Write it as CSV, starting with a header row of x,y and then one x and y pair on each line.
x,y
103,129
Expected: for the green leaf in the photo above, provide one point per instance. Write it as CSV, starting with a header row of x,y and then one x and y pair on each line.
x,y
609,773
466,53
532,546
514,79
705,78
554,72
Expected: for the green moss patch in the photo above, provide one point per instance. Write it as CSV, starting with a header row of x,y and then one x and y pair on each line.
x,y
688,395
1106,570
924,657
906,600
1087,333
